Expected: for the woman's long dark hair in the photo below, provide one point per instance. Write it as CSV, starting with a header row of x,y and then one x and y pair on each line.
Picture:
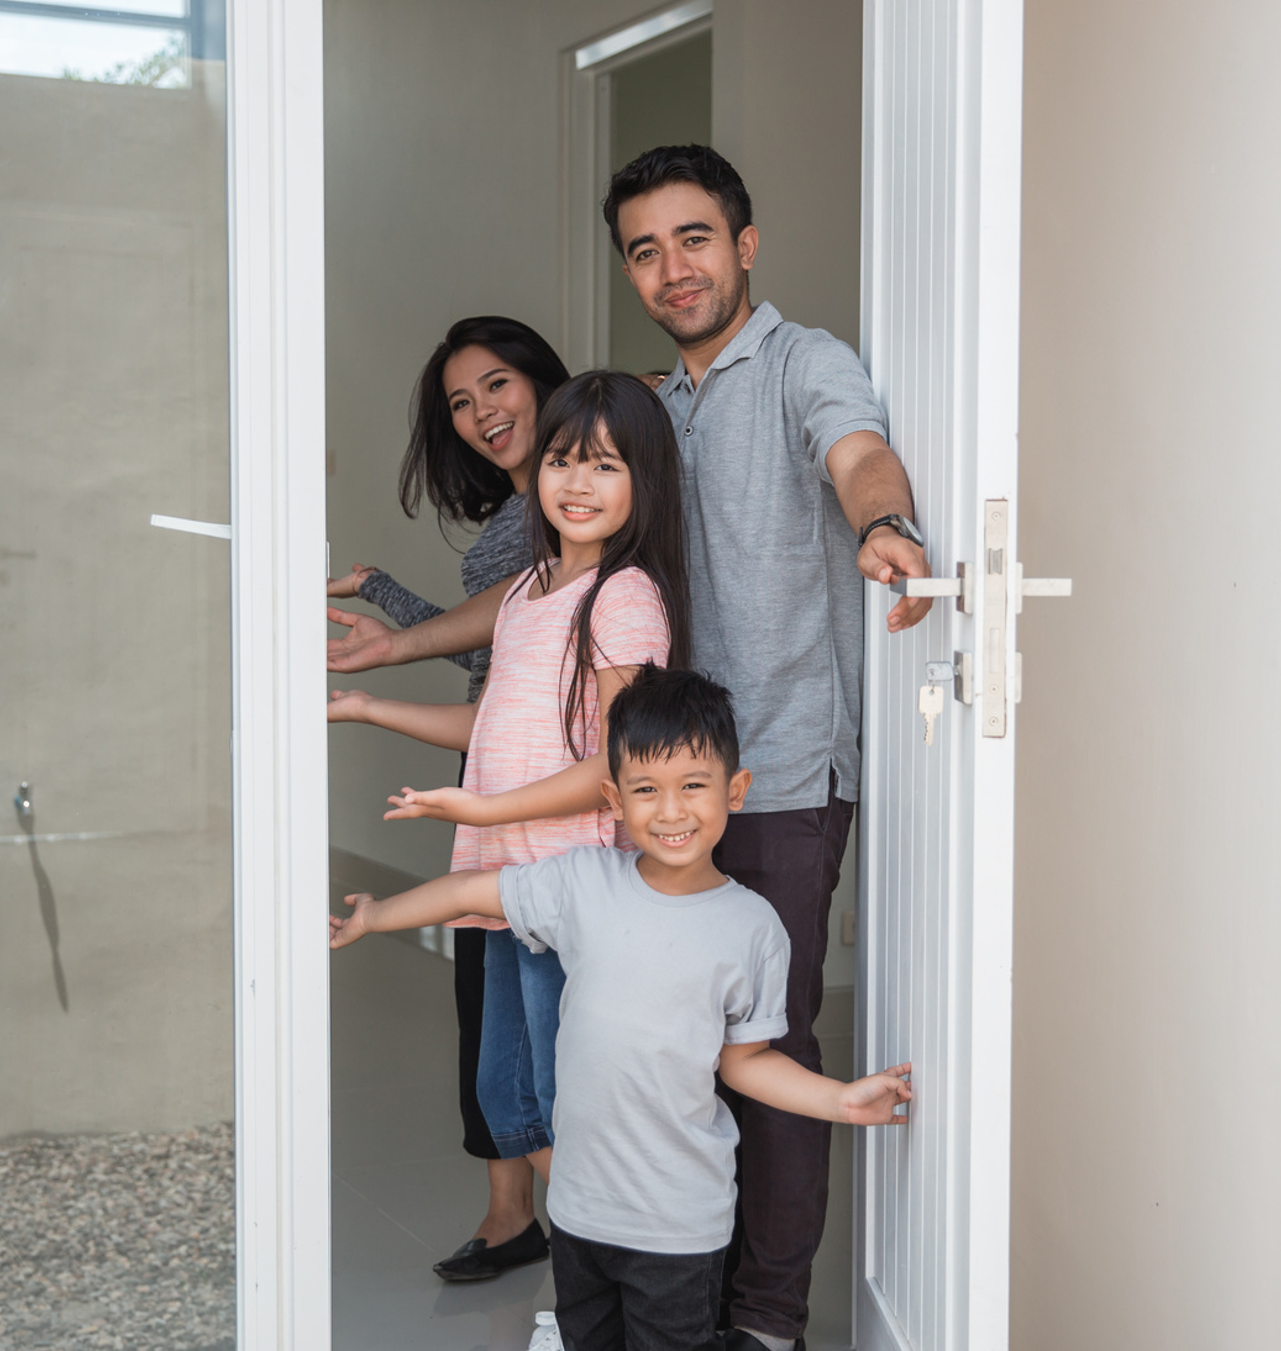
x,y
458,481
578,418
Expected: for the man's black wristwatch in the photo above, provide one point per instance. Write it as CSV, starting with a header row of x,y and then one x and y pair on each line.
x,y
900,523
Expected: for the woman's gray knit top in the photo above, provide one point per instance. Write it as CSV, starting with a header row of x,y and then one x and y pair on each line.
x,y
501,550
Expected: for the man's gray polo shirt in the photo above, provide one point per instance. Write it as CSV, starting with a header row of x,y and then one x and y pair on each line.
x,y
777,595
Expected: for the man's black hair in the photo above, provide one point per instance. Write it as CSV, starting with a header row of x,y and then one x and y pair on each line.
x,y
680,164
662,712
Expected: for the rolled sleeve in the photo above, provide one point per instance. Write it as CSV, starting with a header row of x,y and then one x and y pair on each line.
x,y
531,896
829,395
764,1016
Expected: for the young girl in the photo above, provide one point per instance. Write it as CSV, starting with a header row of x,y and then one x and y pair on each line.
x,y
607,593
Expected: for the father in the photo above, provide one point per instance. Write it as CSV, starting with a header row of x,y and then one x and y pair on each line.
x,y
790,492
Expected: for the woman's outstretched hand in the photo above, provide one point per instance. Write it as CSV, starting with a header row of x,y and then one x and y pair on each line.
x,y
346,929
348,705
350,584
459,805
871,1101
368,642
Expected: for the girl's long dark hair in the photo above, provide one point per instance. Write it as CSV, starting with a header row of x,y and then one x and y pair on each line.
x,y
458,481
577,419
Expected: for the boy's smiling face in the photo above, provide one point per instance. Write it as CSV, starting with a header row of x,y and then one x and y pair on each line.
x,y
675,810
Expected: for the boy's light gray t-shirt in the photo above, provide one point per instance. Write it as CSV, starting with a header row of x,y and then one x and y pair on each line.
x,y
655,985
776,594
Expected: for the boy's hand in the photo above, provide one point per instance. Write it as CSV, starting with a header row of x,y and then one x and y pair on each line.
x,y
343,931
459,805
871,1101
348,705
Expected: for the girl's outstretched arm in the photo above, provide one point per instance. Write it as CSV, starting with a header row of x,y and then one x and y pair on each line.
x,y
757,1071
569,792
446,898
447,725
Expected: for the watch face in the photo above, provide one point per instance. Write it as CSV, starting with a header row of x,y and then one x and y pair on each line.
x,y
909,531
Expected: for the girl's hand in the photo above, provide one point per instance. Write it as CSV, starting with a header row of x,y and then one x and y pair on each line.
x,y
343,931
350,584
459,805
871,1101
348,705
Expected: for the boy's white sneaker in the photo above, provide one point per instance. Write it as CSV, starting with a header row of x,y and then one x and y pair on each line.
x,y
546,1334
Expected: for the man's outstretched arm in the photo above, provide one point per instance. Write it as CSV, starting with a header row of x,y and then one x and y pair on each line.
x,y
870,482
369,643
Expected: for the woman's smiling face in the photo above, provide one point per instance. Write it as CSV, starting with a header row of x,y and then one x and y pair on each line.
x,y
494,408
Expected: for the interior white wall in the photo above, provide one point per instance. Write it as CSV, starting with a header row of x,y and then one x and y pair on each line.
x,y
1147,1073
442,126
443,191
787,99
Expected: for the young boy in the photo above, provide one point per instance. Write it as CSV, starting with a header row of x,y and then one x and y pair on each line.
x,y
673,972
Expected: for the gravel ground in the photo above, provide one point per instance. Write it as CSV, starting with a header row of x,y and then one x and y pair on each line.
x,y
119,1241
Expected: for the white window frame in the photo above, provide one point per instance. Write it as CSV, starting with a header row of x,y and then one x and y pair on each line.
x,y
275,146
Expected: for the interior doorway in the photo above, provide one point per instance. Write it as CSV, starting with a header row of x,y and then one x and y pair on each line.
x,y
455,190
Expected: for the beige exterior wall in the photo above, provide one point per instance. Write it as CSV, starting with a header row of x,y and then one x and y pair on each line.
x,y
1147,1084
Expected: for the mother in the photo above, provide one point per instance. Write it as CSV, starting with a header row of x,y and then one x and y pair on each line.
x,y
474,413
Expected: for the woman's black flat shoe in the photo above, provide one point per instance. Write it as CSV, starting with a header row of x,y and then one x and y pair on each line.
x,y
477,1261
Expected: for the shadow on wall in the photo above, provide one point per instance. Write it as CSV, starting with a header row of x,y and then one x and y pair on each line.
x,y
44,890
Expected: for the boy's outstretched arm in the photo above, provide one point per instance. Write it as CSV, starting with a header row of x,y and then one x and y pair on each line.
x,y
757,1071
436,902
446,725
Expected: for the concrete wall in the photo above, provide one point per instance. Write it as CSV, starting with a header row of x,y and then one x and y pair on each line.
x,y
116,961
1147,1083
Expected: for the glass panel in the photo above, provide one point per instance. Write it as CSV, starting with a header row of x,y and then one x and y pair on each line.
x,y
103,52
116,995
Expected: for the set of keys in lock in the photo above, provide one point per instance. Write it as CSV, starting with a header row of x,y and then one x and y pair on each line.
x,y
930,703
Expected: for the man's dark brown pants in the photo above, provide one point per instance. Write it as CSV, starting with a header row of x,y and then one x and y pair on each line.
x,y
793,859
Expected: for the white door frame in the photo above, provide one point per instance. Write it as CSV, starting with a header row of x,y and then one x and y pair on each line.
x,y
940,336
275,147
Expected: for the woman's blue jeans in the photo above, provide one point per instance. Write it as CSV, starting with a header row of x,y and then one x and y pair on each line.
x,y
516,1082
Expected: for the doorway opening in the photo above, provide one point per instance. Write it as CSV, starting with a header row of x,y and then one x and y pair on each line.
x,y
466,159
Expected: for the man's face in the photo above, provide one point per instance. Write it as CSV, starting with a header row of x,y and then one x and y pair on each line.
x,y
691,276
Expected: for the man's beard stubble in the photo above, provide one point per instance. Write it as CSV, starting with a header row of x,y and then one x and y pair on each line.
x,y
720,314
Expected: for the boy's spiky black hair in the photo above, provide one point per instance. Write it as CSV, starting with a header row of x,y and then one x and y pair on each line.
x,y
663,711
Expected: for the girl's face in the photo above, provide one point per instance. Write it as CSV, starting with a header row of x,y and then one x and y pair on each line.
x,y
495,409
586,500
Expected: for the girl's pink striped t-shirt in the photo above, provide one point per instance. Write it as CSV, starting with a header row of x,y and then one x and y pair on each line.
x,y
519,735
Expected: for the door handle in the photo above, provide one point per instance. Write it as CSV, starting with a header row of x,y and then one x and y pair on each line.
x,y
1003,583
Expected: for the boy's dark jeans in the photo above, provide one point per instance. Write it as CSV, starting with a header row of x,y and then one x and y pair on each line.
x,y
793,859
618,1299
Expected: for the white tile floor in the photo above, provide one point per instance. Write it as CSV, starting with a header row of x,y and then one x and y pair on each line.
x,y
405,1195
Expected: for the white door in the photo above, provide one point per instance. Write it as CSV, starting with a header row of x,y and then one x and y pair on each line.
x,y
942,108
